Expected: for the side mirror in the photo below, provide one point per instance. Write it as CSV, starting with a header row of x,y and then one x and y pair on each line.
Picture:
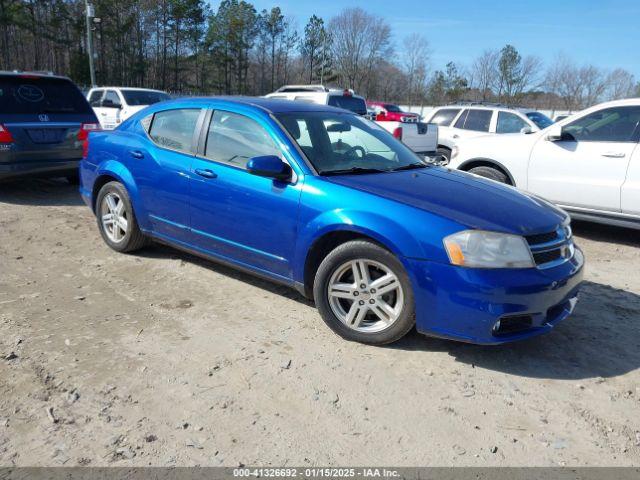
x,y
554,133
269,166
526,130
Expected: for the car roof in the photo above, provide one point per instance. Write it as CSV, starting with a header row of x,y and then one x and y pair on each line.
x,y
128,88
269,105
32,74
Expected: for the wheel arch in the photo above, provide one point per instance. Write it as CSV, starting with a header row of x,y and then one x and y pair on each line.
x,y
487,162
323,244
115,171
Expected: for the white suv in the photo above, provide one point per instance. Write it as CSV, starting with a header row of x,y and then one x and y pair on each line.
x,y
471,119
588,163
113,105
346,99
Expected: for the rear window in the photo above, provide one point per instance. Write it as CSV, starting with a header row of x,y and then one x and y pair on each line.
x,y
40,95
143,97
354,104
477,120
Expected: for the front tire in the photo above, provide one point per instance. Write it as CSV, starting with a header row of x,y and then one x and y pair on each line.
x,y
364,294
490,173
116,220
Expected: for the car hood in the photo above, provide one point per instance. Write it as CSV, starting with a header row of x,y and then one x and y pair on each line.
x,y
461,197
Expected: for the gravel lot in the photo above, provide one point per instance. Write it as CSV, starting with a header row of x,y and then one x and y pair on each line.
x,y
161,358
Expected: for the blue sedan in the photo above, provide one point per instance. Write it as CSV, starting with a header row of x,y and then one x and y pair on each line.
x,y
327,202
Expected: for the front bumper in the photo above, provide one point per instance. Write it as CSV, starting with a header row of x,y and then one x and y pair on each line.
x,y
464,303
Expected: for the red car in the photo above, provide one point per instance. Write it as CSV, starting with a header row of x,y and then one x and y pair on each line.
x,y
388,112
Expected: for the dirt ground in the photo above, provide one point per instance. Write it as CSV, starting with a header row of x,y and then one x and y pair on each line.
x,y
161,358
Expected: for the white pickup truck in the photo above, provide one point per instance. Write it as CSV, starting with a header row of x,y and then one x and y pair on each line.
x,y
113,105
420,137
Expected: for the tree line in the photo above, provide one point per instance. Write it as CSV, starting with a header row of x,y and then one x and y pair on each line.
x,y
188,47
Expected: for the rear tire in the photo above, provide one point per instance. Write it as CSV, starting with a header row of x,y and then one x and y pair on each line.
x,y
116,220
445,152
364,294
490,173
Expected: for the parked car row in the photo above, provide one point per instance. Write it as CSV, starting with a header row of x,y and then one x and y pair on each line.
x,y
311,194
472,119
406,127
588,163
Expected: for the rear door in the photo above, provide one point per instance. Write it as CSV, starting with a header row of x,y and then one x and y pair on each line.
x,y
160,168
472,123
44,115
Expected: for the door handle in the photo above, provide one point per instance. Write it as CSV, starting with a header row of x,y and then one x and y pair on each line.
x,y
136,154
206,173
614,154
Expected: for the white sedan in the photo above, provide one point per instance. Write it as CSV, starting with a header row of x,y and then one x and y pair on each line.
x,y
589,163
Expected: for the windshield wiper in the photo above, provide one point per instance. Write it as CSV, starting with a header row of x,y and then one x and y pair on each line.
x,y
411,166
352,170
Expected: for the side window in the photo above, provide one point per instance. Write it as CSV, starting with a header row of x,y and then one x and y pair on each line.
x,y
616,124
510,123
444,117
174,128
461,119
478,120
111,99
95,97
234,139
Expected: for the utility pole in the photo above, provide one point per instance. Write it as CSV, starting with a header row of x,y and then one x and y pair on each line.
x,y
89,15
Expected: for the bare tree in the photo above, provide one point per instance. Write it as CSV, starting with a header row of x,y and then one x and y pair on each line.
x,y
484,73
620,84
415,60
360,41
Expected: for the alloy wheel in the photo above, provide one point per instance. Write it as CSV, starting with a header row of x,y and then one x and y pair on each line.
x,y
365,295
114,217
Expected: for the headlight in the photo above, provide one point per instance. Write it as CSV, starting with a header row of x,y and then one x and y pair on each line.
x,y
481,249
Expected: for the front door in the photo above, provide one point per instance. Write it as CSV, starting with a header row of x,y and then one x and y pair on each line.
x,y
588,165
235,215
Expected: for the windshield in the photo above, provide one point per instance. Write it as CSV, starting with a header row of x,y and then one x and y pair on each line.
x,y
343,143
26,94
392,108
540,119
354,104
143,97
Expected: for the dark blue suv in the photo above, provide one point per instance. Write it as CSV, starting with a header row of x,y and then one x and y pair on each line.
x,y
44,120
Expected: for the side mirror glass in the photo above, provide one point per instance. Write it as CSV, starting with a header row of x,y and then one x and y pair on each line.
x,y
269,166
554,133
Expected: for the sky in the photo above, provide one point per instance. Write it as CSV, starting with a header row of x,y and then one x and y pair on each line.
x,y
605,33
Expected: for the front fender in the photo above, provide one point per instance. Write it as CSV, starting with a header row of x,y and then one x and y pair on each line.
x,y
391,235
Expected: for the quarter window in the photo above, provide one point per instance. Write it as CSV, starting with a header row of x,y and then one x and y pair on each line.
x,y
477,120
174,128
445,116
234,139
111,99
510,123
617,124
95,97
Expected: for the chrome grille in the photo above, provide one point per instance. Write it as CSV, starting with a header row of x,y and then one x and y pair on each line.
x,y
551,248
